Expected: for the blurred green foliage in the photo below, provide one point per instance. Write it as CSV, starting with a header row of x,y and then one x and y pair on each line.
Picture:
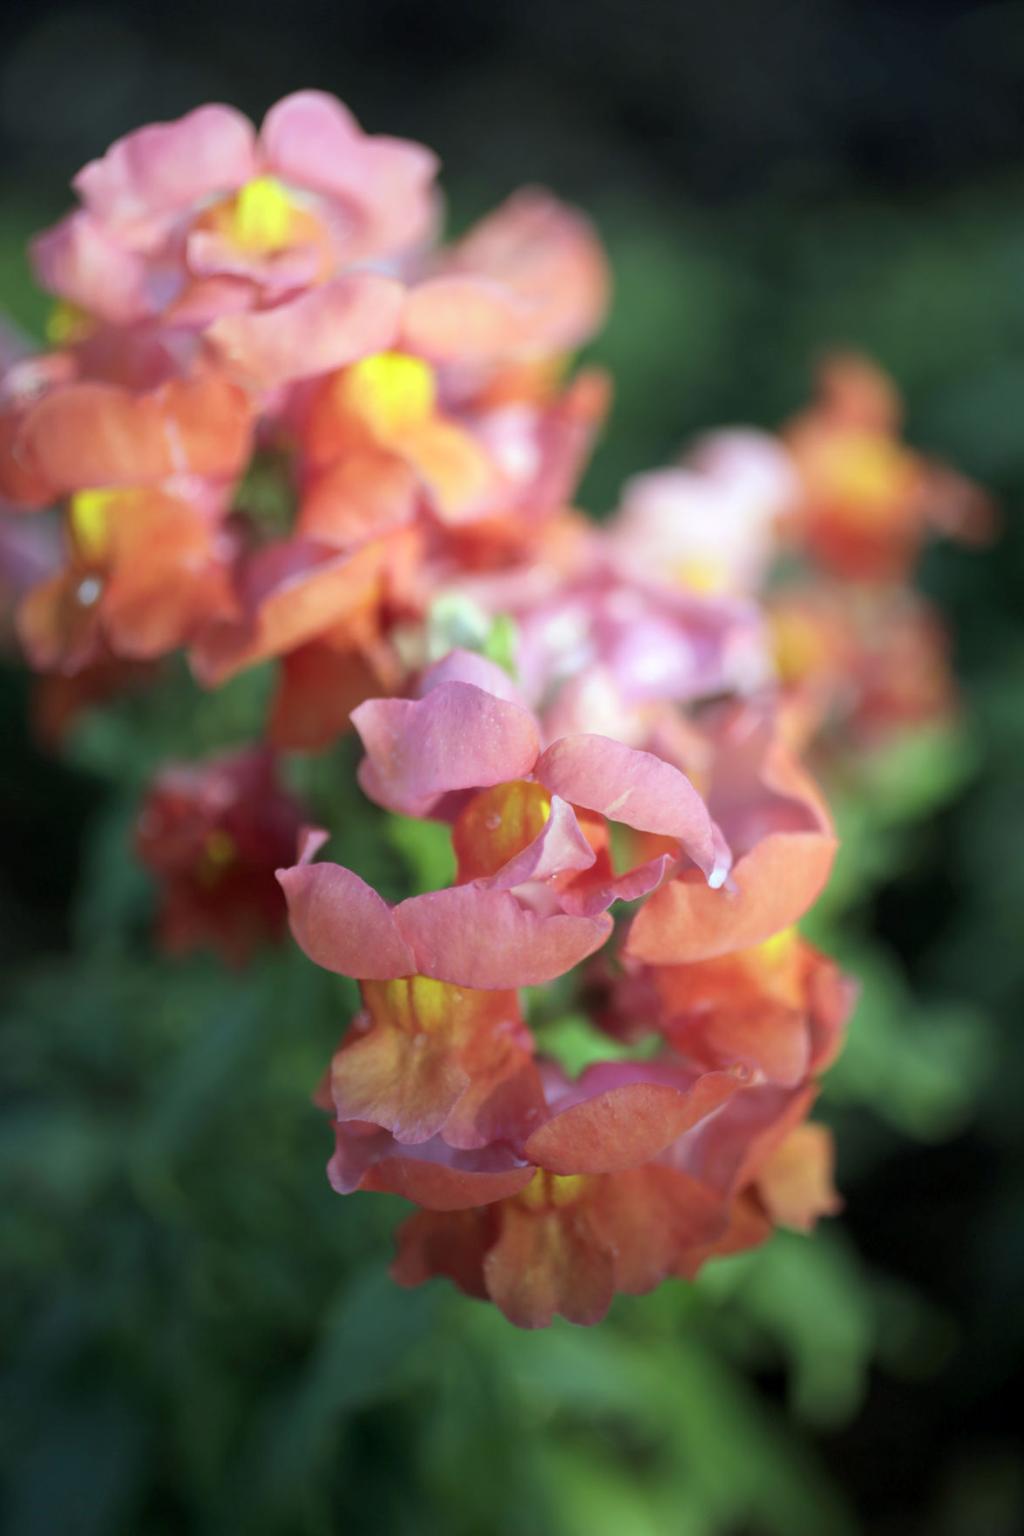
x,y
201,1337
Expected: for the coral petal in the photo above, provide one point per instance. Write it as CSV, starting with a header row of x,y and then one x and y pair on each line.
x,y
342,924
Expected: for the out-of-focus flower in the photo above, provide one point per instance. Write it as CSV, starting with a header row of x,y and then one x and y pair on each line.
x,y
857,665
66,434
869,501
61,699
145,568
280,424
550,258
708,525
213,834
266,243
30,551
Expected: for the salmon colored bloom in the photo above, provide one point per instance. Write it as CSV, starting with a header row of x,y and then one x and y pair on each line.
x,y
469,730
80,434
858,665
566,1243
783,846
145,570
869,501
213,834
387,408
777,1010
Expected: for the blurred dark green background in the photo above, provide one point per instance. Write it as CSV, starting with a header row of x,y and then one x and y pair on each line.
x,y
199,1337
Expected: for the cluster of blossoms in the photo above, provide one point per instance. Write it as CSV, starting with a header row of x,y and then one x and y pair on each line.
x,y
280,424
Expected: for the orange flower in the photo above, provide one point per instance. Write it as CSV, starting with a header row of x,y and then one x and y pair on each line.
x,y
869,500
145,569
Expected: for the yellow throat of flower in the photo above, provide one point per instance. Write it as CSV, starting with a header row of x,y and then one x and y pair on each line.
x,y
702,574
89,521
262,215
390,392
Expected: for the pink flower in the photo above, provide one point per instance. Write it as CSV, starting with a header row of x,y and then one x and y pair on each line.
x,y
462,735
262,241
708,526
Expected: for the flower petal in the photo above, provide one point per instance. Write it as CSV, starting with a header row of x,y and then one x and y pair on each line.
x,y
618,1116
462,320
342,924
456,737
324,328
546,1263
95,435
795,1182
480,938
166,166
433,1174
635,788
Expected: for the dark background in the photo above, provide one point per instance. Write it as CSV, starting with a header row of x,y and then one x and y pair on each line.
x,y
770,178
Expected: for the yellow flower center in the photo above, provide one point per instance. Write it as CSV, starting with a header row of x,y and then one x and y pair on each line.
x,y
67,323
777,950
262,215
89,522
869,476
702,574
497,824
390,392
219,851
797,645
552,1191
412,1003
